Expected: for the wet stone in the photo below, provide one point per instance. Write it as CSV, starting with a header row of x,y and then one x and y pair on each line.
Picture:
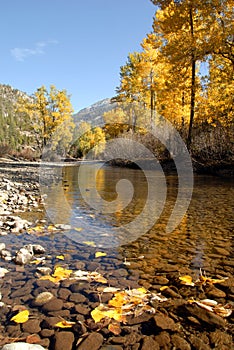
x,y
92,342
149,344
214,292
46,333
163,339
64,340
64,293
31,326
164,322
77,298
198,343
206,316
53,305
180,343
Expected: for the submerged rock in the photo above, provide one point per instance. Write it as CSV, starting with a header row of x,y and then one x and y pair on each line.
x,y
22,346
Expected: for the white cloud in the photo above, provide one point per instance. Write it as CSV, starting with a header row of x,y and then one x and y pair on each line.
x,y
20,54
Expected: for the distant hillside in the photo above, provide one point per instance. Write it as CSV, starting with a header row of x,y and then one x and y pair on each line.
x,y
93,114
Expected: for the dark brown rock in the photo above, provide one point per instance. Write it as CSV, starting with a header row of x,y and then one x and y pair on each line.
x,y
93,342
198,344
163,339
31,326
180,343
149,344
164,322
77,298
46,333
213,292
64,341
53,305
64,293
220,339
206,316
82,310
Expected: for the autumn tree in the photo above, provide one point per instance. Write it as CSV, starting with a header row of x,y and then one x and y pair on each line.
x,y
50,113
88,139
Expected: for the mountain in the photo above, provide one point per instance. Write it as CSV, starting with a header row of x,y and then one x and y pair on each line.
x,y
93,114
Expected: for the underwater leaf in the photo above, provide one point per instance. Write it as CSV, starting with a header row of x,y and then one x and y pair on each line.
x,y
21,317
90,243
78,229
60,257
99,254
64,324
187,280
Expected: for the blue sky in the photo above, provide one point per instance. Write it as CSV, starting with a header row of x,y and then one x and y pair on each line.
x,y
77,45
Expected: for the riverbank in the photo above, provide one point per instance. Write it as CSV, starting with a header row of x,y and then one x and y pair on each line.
x,y
167,312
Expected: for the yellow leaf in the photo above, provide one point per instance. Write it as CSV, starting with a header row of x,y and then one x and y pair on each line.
x,y
78,229
163,288
64,324
99,254
60,257
91,243
97,315
61,272
50,278
21,317
187,280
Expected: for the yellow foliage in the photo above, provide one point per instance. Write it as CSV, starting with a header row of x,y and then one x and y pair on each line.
x,y
21,317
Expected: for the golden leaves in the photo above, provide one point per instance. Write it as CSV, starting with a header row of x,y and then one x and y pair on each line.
x,y
21,317
59,274
125,302
202,280
64,324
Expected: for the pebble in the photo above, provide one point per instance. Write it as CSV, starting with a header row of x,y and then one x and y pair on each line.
x,y
150,344
22,346
64,341
93,342
43,298
53,305
164,322
206,316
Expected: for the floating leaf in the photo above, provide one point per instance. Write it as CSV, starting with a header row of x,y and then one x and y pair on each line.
x,y
99,254
187,280
114,328
65,324
60,257
21,317
78,229
90,243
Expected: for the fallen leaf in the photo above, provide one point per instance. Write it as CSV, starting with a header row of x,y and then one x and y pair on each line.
x,y
90,243
21,317
187,280
65,324
60,257
99,254
163,288
78,229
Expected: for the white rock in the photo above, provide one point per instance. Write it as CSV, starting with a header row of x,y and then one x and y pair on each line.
x,y
23,256
2,246
43,298
22,346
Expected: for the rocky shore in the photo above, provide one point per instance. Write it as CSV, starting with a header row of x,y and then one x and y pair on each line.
x,y
57,294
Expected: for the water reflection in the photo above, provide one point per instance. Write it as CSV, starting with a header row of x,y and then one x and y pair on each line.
x,y
204,238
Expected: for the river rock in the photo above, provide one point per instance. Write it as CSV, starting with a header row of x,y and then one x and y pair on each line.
x,y
206,316
43,298
31,326
64,340
149,344
23,256
180,343
93,342
164,322
53,305
22,346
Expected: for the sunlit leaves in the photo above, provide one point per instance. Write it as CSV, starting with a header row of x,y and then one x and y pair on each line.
x,y
64,324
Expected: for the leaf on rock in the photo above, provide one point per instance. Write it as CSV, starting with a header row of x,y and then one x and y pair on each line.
x,y
65,324
187,280
21,317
